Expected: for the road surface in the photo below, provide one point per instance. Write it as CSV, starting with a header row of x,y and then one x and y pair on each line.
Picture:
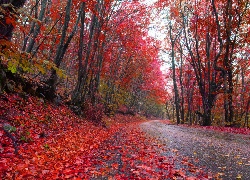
x,y
225,155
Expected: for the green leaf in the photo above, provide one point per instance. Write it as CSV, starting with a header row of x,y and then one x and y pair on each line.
x,y
12,67
9,128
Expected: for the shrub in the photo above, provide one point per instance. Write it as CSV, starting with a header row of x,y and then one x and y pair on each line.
x,y
94,113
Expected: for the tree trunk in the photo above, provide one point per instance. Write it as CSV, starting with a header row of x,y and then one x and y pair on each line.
x,y
80,90
182,110
50,90
37,27
176,93
207,116
246,124
77,93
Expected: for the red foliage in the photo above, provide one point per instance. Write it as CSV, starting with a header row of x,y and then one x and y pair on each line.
x,y
132,155
54,139
57,144
94,113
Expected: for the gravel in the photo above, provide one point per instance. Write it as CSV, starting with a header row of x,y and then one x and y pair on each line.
x,y
224,155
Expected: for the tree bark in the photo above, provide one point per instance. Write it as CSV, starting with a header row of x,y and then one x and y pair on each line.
x,y
77,93
176,93
205,73
50,90
37,28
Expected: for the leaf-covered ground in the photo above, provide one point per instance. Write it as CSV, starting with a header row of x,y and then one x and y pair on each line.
x,y
52,143
131,154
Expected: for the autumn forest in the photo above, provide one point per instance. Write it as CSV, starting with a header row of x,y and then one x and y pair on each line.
x,y
89,68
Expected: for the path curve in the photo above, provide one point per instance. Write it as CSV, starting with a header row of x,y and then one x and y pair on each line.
x,y
226,155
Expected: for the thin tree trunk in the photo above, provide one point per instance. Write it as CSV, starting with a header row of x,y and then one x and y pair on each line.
x,y
76,96
61,50
246,124
37,27
176,93
182,110
81,87
26,37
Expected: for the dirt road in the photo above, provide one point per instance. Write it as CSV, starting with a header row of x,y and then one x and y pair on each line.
x,y
224,154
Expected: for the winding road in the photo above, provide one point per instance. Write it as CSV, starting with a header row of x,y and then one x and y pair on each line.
x,y
225,155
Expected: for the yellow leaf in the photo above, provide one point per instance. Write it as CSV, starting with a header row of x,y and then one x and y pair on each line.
x,y
41,69
238,177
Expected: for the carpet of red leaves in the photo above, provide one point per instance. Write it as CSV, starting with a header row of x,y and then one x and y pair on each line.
x,y
51,139
53,143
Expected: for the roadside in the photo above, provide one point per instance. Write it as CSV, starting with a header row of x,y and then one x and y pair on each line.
x,y
225,155
130,154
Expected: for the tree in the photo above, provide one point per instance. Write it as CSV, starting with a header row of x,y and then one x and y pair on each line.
x,y
9,12
176,92
214,33
96,52
50,90
8,16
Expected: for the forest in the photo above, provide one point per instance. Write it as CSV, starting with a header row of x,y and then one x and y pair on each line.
x,y
91,54
80,78
209,46
98,55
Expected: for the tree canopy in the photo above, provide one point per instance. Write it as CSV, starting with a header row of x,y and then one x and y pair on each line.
x,y
92,53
